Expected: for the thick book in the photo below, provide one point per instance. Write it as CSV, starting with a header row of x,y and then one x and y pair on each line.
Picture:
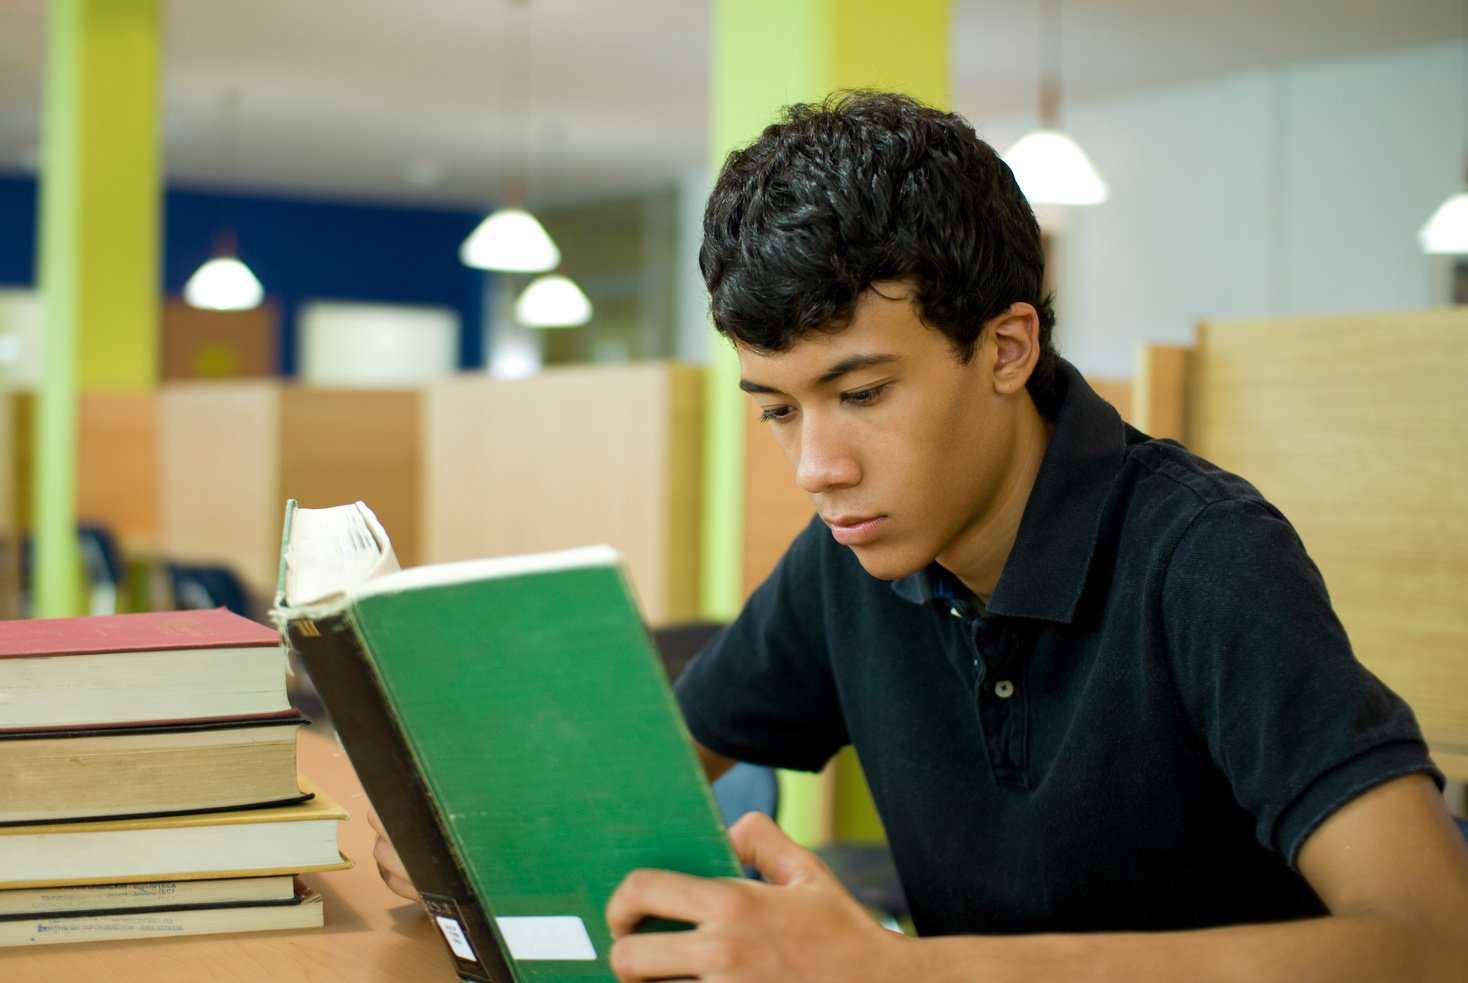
x,y
302,909
289,839
113,771
74,899
511,722
138,668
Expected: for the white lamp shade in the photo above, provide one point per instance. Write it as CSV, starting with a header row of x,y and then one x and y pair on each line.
x,y
1052,169
552,301
510,239
223,284
1447,230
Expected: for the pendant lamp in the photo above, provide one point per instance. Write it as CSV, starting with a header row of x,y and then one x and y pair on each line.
x,y
1049,166
510,239
224,282
1446,230
552,301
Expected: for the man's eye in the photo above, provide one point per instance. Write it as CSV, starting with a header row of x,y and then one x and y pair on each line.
x,y
863,396
774,414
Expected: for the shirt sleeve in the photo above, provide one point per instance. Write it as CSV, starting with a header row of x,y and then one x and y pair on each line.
x,y
1267,674
762,691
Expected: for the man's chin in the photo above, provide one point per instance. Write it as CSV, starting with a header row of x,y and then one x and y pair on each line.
x,y
886,564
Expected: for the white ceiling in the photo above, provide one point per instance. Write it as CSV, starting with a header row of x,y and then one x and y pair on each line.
x,y
406,102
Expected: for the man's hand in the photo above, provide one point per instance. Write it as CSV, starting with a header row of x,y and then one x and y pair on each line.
x,y
389,864
800,925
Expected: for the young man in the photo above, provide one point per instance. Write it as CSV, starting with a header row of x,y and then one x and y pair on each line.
x,y
1112,727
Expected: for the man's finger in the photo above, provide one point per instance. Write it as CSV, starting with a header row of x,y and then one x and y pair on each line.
x,y
661,894
663,956
779,859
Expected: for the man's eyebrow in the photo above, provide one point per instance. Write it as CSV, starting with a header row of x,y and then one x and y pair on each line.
x,y
852,363
755,387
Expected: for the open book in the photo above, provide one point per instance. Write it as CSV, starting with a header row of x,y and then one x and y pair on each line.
x,y
511,723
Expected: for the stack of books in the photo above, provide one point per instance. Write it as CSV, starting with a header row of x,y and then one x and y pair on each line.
x,y
148,781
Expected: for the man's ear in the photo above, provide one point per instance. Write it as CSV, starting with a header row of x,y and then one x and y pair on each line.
x,y
1015,335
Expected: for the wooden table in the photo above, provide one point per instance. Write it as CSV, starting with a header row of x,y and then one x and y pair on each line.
x,y
370,935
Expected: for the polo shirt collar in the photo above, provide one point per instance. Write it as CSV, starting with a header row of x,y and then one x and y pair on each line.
x,y
1047,568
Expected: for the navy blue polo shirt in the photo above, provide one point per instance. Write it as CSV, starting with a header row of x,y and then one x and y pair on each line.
x,y
1154,710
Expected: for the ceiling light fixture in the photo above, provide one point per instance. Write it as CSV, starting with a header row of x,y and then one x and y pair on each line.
x,y
1447,230
510,239
224,282
552,301
1050,167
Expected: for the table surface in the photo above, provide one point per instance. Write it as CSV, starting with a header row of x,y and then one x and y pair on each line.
x,y
370,933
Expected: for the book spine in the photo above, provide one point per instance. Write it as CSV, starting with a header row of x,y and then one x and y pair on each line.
x,y
343,675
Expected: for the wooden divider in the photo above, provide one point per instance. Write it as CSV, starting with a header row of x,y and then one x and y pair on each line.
x,y
571,457
117,465
1159,395
233,452
339,445
220,477
1356,427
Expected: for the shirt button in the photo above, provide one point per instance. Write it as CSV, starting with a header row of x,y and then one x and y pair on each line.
x,y
1004,689
955,612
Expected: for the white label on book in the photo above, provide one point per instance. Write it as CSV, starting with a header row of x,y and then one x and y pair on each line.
x,y
546,937
454,933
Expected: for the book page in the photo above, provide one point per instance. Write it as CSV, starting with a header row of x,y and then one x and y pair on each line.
x,y
333,550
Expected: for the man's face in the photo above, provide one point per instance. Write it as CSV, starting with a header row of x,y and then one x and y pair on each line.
x,y
903,449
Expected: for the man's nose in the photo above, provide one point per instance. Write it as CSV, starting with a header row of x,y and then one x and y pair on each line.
x,y
827,456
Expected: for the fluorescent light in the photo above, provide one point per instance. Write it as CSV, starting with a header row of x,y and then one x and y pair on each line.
x,y
223,284
510,239
1447,230
552,301
1052,169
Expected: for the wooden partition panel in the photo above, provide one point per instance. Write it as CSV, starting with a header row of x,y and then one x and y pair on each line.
x,y
1357,428
1117,392
117,465
234,451
204,344
571,457
220,476
1159,397
339,445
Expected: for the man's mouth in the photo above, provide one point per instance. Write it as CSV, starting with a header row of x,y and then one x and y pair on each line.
x,y
854,530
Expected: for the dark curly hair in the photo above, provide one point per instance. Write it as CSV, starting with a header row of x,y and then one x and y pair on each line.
x,y
862,187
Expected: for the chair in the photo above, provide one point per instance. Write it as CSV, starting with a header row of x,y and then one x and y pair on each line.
x,y
207,586
101,570
865,868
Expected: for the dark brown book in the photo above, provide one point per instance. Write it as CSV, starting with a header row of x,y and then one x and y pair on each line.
x,y
51,775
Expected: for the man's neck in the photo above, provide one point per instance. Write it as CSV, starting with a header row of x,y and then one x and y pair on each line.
x,y
979,558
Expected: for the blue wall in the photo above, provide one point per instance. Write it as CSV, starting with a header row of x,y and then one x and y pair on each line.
x,y
300,250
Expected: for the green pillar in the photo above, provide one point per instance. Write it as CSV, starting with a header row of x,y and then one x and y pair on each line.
x,y
98,250
766,55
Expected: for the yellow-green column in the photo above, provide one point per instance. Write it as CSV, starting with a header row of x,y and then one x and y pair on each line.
x,y
98,262
766,55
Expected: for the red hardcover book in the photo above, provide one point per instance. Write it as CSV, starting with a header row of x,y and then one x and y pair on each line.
x,y
139,668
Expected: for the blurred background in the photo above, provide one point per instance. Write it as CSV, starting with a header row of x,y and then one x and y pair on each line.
x,y
1247,162
1262,158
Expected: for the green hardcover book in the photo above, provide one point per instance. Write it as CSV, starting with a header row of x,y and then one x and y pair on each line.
x,y
511,723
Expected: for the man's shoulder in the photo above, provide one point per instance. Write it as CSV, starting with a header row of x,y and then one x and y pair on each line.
x,y
1167,471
